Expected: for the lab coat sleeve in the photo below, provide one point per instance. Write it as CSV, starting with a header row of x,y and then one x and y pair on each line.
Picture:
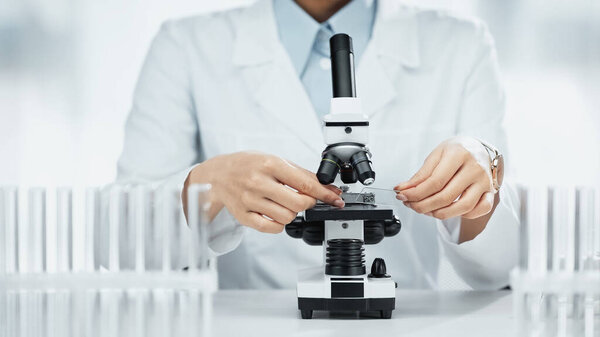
x,y
162,141
485,261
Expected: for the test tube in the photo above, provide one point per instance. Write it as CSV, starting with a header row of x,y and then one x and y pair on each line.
x,y
64,229
37,227
197,220
141,219
92,222
127,228
537,230
115,206
172,220
9,224
164,215
588,230
596,233
564,222
523,231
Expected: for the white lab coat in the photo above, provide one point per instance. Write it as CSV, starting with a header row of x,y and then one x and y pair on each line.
x,y
222,83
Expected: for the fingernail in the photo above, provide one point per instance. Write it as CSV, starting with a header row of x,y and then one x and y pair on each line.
x,y
339,203
401,197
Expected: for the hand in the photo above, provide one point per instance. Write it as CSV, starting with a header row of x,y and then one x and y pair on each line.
x,y
255,188
455,180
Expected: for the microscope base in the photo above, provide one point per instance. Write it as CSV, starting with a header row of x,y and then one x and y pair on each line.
x,y
362,305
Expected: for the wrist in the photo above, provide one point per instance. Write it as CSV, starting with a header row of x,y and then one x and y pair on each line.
x,y
206,173
496,160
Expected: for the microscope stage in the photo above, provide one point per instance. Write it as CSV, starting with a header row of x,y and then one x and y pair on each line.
x,y
351,211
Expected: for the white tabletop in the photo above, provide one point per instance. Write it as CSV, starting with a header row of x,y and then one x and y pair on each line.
x,y
418,313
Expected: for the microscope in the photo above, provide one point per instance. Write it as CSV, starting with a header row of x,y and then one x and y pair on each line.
x,y
342,284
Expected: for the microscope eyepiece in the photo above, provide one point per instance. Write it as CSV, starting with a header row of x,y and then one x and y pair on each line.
x,y
342,66
328,169
362,166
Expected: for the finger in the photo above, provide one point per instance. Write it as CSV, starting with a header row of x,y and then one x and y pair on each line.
x,y
334,189
483,207
272,209
306,184
465,204
286,197
424,172
457,185
440,176
261,224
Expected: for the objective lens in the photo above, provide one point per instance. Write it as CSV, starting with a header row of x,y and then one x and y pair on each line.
x,y
347,174
362,166
328,169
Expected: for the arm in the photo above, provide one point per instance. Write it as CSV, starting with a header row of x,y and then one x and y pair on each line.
x,y
162,147
485,249
162,141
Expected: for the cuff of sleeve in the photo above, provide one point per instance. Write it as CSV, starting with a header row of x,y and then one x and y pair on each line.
x,y
224,233
449,230
485,262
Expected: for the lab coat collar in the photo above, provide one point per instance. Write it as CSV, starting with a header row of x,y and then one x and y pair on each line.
x,y
271,78
394,43
395,34
270,75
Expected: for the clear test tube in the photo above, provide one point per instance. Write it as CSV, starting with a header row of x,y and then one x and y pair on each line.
x,y
64,230
596,234
164,221
564,228
537,230
115,219
587,231
9,224
523,230
9,259
92,225
141,219
564,257
175,241
537,255
37,230
154,234
197,217
127,228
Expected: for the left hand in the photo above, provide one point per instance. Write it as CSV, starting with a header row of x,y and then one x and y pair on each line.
x,y
455,180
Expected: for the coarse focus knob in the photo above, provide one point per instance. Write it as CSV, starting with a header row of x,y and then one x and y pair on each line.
x,y
378,269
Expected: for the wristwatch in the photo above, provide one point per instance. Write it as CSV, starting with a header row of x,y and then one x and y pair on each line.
x,y
496,165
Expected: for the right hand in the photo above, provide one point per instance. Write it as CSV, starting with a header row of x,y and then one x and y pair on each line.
x,y
255,188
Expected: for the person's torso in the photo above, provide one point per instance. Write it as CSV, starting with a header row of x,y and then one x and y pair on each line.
x,y
248,97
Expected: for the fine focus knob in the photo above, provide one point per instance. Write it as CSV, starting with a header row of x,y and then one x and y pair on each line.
x,y
378,269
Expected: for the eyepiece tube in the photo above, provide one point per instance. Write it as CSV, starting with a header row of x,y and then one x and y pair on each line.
x,y
342,66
